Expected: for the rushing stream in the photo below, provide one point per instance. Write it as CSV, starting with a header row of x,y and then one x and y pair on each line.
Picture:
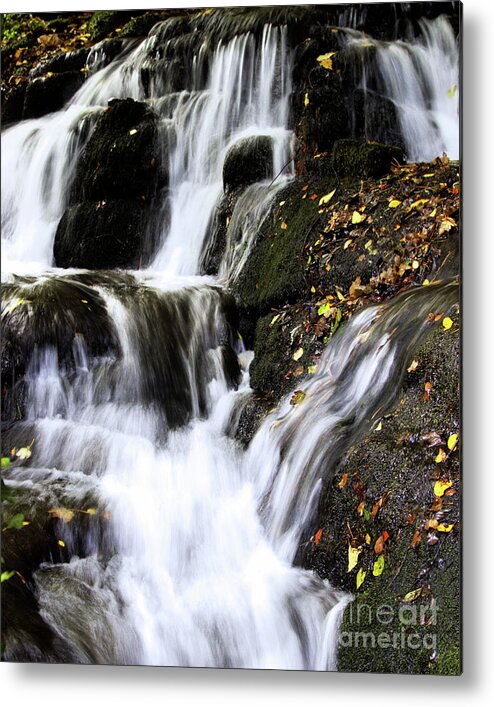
x,y
188,557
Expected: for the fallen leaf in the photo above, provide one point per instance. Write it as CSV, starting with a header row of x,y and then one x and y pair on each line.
x,y
133,131
416,539
445,527
283,226
452,91
326,198
353,554
326,60
298,354
23,453
318,536
378,566
306,100
61,543
413,366
441,456
357,217
343,481
393,204
360,508
441,486
411,596
452,440
447,323
360,577
427,390
297,397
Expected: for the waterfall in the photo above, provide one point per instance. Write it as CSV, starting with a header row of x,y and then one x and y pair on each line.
x,y
420,77
175,545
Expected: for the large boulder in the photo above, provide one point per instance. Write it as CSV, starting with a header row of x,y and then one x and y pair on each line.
x,y
249,160
357,159
51,93
100,235
122,157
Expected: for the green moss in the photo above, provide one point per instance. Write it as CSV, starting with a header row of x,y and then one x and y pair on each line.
x,y
102,23
141,25
275,272
357,159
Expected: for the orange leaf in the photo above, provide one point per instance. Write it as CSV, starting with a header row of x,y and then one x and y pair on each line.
x,y
343,481
416,539
318,536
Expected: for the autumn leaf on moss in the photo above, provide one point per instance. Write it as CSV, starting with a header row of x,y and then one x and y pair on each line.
x,y
378,566
326,60
353,555
447,323
360,577
441,486
318,536
452,440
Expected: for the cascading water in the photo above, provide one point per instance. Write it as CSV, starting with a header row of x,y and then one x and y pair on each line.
x,y
181,544
420,78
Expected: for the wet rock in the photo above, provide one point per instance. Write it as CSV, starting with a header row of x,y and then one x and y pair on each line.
x,y
356,159
253,413
103,22
100,235
249,160
61,63
122,158
397,463
51,93
13,104
140,26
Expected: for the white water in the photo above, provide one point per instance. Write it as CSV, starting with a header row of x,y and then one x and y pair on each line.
x,y
187,569
421,77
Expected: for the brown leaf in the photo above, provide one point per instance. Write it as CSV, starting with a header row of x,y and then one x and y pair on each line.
x,y
416,539
343,481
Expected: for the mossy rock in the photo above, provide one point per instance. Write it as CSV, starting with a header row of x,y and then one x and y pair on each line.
x,y
141,25
102,23
421,633
249,160
357,159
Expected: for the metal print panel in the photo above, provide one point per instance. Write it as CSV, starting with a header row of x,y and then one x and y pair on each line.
x,y
230,351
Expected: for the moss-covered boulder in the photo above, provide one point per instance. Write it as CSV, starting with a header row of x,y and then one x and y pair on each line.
x,y
102,235
249,160
103,22
122,159
395,499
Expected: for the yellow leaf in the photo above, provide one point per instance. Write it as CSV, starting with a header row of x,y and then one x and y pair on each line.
x,y
311,369
452,440
340,296
379,427
274,319
353,553
445,527
61,543
360,577
23,453
133,131
441,456
326,198
452,91
393,204
415,264
447,323
413,366
441,486
298,354
283,226
347,243
411,596
378,566
357,217
306,100
90,511
282,202
326,60
367,538
297,397
425,282
418,203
